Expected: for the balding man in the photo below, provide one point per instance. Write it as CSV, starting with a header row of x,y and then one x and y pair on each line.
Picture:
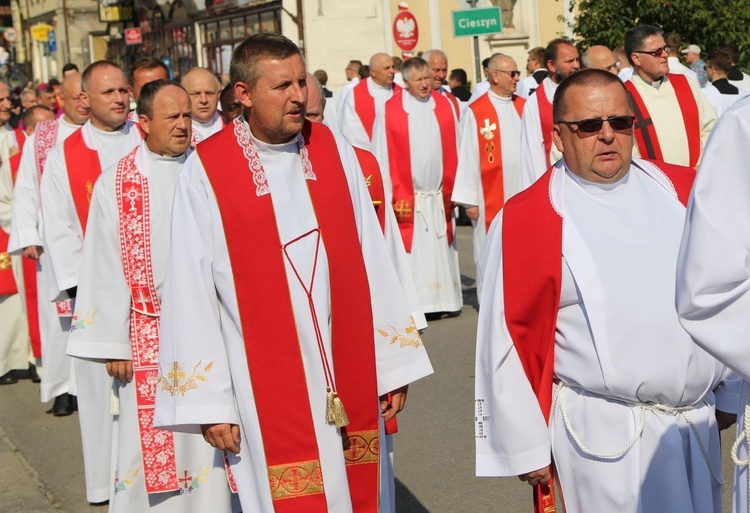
x,y
70,172
204,88
438,62
359,109
489,157
538,152
601,57
27,239
580,354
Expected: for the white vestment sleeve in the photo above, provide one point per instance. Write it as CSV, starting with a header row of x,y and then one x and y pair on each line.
x,y
713,274
533,161
467,187
101,329
350,126
6,197
380,150
511,435
191,334
26,229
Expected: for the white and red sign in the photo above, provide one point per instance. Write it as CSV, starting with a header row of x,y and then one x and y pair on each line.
x,y
405,30
133,36
10,35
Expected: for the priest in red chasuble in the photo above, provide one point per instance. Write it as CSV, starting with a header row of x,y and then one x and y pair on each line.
x,y
284,325
581,358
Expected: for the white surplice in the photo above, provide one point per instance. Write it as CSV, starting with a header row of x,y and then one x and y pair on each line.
x,y
209,128
349,123
200,318
467,189
104,299
28,230
434,264
721,102
63,243
533,158
618,346
713,278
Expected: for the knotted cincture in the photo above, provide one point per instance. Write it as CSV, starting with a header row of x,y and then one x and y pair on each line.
x,y
335,412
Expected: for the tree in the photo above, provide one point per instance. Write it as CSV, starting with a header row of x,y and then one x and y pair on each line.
x,y
709,24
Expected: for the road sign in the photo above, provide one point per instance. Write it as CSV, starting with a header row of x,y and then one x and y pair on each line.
x,y
10,35
40,31
133,36
477,22
51,41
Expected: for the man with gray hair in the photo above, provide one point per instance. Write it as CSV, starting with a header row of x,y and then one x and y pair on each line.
x,y
438,63
203,88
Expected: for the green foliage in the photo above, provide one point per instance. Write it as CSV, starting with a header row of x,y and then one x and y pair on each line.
x,y
710,24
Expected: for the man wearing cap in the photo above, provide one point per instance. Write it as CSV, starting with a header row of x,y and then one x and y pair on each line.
x,y
692,55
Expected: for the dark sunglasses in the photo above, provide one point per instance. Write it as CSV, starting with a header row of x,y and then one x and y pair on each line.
x,y
594,125
655,53
513,74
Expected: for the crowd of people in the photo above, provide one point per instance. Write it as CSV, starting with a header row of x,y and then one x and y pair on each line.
x,y
229,281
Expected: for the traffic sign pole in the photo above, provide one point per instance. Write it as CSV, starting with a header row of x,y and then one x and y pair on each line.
x,y
477,63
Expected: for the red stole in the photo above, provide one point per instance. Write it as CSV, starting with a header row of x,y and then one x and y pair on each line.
x,y
374,181
285,417
20,137
490,153
645,131
83,167
532,281
399,160
364,105
545,118
454,102
7,280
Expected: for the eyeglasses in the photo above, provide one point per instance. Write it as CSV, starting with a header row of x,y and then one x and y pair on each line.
x,y
594,125
655,53
615,64
513,74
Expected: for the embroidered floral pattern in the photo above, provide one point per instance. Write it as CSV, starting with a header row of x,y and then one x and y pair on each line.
x,y
127,481
410,336
45,137
188,483
79,322
177,382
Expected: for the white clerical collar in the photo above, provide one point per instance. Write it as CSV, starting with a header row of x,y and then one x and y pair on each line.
x,y
413,98
496,98
103,133
155,158
375,85
67,123
655,85
596,187
207,124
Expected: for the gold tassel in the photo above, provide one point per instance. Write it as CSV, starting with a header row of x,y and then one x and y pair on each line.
x,y
335,411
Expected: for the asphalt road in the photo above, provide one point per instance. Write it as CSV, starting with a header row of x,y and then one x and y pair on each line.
x,y
41,468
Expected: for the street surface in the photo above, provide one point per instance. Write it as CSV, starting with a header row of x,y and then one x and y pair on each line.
x,y
41,467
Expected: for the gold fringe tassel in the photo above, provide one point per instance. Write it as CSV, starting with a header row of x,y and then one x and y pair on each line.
x,y
335,411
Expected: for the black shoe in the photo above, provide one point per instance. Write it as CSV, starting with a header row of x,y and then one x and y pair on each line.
x,y
63,406
9,378
29,374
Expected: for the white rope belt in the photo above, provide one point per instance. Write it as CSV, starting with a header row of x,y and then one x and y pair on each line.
x,y
644,407
440,224
744,436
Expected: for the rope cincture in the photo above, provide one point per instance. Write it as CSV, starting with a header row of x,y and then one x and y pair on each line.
x,y
644,407
744,436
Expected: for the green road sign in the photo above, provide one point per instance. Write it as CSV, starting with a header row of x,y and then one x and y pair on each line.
x,y
477,22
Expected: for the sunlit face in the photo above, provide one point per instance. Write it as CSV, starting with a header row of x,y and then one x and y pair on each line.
x,y
277,101
4,103
381,70
169,129
419,84
598,157
143,76
75,109
107,97
566,63
438,70
501,81
204,89
651,67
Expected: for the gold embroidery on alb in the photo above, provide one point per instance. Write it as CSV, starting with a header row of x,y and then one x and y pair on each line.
x,y
361,447
410,336
177,381
291,480
5,262
89,190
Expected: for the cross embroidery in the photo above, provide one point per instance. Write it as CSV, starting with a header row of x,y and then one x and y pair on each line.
x,y
185,481
487,129
142,299
295,480
402,209
176,375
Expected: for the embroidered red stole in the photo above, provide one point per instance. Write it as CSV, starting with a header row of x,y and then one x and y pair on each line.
x,y
645,131
133,206
83,167
364,105
374,181
45,137
545,119
399,160
532,282
286,423
490,153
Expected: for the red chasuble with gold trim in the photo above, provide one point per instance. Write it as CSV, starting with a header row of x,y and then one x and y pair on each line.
x,y
399,160
249,222
490,153
532,282
364,105
645,131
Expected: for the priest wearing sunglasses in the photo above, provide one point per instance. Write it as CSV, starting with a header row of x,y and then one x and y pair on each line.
x,y
586,383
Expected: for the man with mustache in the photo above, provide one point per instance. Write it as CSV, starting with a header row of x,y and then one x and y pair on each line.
x,y
279,300
70,172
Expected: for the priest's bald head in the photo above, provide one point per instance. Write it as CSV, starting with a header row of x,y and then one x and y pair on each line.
x,y
316,100
105,91
381,69
593,125
270,81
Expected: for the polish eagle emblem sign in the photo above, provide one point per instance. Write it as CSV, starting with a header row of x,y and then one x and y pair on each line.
x,y
405,30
